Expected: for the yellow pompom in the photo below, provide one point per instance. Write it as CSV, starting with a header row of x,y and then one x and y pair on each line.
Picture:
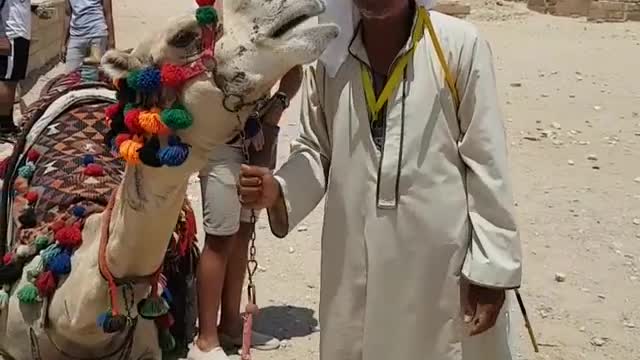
x,y
129,150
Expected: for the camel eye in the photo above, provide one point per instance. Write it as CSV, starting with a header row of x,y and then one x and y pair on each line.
x,y
183,39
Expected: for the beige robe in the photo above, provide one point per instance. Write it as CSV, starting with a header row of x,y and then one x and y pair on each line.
x,y
403,227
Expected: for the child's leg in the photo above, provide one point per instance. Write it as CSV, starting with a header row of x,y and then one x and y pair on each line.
x,y
221,217
234,289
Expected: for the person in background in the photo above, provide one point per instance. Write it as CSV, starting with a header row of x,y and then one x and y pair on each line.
x,y
87,24
420,242
15,38
223,262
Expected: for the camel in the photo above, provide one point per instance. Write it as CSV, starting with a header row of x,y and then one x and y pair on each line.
x,y
124,237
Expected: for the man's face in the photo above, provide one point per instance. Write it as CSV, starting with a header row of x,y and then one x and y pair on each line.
x,y
379,8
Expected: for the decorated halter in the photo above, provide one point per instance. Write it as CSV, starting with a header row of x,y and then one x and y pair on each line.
x,y
137,121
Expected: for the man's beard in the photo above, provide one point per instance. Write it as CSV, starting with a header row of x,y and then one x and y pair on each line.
x,y
379,9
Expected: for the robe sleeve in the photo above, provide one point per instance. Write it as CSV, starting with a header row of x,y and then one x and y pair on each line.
x,y
494,255
303,177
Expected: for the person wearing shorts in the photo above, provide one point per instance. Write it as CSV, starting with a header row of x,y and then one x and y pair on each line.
x,y
15,39
223,263
88,24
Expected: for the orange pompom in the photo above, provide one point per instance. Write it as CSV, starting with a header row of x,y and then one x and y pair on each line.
x,y
129,150
150,122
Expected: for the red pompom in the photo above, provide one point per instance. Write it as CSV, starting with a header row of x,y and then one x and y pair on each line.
x,y
205,2
131,120
7,258
33,155
165,322
172,75
122,138
31,197
46,284
94,170
112,110
69,236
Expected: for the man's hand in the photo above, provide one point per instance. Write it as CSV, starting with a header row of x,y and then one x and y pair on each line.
x,y
257,187
482,308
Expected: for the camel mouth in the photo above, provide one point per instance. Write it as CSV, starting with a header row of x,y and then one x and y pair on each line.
x,y
290,25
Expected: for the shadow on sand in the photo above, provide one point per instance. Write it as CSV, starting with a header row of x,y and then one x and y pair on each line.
x,y
286,321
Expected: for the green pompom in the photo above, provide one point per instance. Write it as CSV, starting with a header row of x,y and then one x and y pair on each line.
x,y
176,118
42,242
132,79
4,299
166,340
153,307
27,170
206,15
28,294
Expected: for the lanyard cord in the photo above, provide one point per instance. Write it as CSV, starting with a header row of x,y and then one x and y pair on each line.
x,y
375,105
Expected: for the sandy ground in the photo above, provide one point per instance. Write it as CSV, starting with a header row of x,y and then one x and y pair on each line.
x,y
571,95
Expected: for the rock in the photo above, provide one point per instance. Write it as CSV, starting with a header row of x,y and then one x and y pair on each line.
x,y
284,344
637,180
560,277
636,221
629,325
602,296
262,268
598,341
571,162
531,138
516,84
556,125
583,329
291,250
597,108
302,228
592,157
557,142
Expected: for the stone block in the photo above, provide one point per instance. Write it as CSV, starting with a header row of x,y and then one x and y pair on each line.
x,y
572,7
453,8
540,6
607,11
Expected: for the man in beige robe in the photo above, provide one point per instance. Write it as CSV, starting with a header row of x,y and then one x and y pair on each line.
x,y
419,239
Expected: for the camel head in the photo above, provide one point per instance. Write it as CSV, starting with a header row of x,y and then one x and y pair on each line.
x,y
259,42
264,39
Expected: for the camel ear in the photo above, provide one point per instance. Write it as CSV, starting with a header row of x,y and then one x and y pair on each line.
x,y
117,64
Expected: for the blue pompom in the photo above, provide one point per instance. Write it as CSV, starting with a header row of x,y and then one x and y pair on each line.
x,y
88,159
60,264
175,154
102,318
78,211
149,80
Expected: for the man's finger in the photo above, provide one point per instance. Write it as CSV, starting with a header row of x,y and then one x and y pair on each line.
x,y
485,319
253,171
250,181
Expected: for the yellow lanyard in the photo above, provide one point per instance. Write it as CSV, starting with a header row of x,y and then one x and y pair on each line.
x,y
374,104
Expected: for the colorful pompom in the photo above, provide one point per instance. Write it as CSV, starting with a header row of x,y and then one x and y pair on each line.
x,y
148,153
28,294
205,2
94,170
150,122
60,264
21,185
206,16
69,237
175,154
129,150
132,79
31,197
110,323
121,138
28,218
33,155
24,251
46,284
165,322
42,242
172,76
131,120
88,159
27,170
7,258
149,80
79,211
112,110
153,307
177,118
